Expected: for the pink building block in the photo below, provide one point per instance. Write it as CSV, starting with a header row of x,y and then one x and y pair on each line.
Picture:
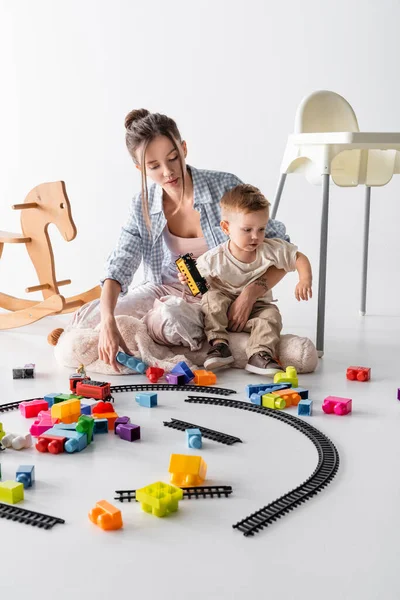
x,y
339,406
41,425
32,408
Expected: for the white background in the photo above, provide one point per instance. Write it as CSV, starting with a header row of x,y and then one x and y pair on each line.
x,y
232,75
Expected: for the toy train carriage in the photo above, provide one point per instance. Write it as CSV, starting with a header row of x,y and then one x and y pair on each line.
x,y
186,264
84,386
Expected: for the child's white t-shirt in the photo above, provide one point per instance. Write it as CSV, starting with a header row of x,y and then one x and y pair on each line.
x,y
226,273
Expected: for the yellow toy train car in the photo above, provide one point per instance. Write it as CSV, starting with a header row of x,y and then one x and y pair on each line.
x,y
186,264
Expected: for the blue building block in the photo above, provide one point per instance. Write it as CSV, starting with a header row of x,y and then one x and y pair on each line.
x,y
25,475
50,398
302,392
86,409
182,369
146,399
257,398
131,362
304,408
76,441
193,438
69,426
100,426
266,388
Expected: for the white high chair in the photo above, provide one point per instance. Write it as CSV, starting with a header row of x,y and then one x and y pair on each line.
x,y
327,143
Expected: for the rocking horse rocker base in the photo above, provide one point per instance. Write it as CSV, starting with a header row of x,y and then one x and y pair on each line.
x,y
47,203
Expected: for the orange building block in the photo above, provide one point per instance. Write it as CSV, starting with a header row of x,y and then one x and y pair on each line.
x,y
110,416
186,470
106,516
67,411
202,377
291,397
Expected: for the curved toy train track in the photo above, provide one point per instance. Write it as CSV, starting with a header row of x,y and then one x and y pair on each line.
x,y
202,491
216,436
169,387
325,471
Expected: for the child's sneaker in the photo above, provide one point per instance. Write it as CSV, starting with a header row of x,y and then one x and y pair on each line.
x,y
262,364
218,356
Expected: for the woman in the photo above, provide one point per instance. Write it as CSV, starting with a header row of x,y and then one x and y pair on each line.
x,y
180,213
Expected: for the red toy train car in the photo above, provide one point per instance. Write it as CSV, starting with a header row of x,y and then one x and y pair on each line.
x,y
84,386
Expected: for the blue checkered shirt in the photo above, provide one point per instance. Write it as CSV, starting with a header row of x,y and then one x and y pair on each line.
x,y
136,243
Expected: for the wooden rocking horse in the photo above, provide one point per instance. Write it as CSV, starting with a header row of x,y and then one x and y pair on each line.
x,y
47,203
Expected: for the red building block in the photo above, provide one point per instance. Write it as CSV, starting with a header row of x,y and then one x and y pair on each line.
x,y
51,443
358,373
32,408
102,407
153,374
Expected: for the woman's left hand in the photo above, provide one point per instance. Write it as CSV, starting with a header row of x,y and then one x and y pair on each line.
x,y
239,311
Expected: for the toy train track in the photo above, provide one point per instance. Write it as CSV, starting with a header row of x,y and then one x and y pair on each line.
x,y
13,405
202,491
325,471
169,387
29,517
216,436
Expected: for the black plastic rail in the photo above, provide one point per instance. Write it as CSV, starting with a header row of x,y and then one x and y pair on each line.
x,y
201,491
325,471
169,387
216,436
29,517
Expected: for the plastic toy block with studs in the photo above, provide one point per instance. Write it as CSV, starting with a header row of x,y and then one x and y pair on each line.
x,y
85,424
106,516
110,416
25,475
153,374
100,426
128,432
131,362
338,406
175,379
289,376
304,408
186,470
2,432
272,401
67,411
32,408
26,372
194,438
266,388
182,369
17,441
203,377
11,492
358,373
290,396
159,498
121,421
146,399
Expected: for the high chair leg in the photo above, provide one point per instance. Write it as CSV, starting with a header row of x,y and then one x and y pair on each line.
x,y
367,211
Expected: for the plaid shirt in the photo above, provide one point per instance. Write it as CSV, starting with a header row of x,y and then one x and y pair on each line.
x,y
136,243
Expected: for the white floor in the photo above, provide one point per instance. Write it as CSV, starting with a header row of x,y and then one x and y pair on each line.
x,y
343,543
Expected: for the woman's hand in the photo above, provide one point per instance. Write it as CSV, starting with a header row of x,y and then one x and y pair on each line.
x,y
110,341
303,290
240,309
182,278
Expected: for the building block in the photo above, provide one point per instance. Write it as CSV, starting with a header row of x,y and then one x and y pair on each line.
x,y
203,377
290,396
182,369
128,432
26,372
32,408
146,399
121,421
337,405
2,432
17,441
65,426
49,398
131,362
61,398
194,438
265,388
42,424
111,418
85,424
86,409
100,426
53,443
153,374
25,475
398,393
75,441
67,411
304,407
106,516
175,379
303,393
11,492
358,373
102,407
271,401
186,470
289,376
159,498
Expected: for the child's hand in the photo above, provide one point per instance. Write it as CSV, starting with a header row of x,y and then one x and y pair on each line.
x,y
182,278
303,290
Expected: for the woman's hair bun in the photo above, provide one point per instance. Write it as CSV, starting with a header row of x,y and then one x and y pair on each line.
x,y
134,116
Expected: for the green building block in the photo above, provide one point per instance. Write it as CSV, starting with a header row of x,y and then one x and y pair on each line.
x,y
159,498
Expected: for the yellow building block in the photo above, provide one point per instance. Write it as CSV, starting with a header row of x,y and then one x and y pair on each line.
x,y
273,401
67,411
186,470
159,498
11,492
2,432
291,397
290,376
